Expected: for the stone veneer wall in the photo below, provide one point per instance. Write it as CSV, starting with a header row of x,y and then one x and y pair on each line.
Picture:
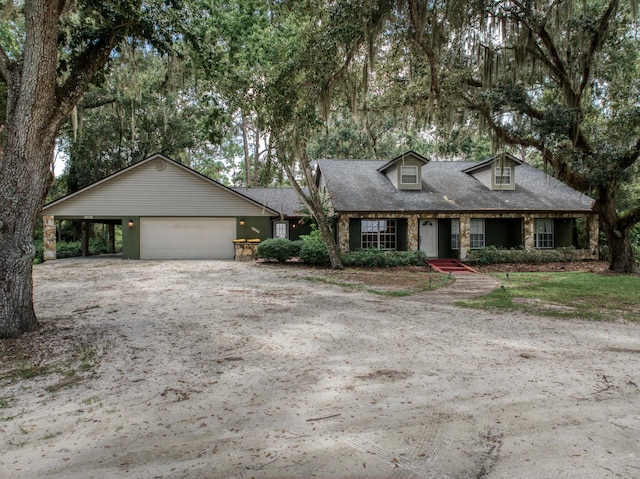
x,y
245,251
49,238
413,220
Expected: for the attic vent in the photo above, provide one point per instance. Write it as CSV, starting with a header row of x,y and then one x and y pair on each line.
x,y
160,164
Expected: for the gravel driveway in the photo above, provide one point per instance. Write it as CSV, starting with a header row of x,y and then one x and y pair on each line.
x,y
215,369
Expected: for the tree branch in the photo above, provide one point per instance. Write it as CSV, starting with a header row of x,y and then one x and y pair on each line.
x,y
82,73
422,43
630,219
596,43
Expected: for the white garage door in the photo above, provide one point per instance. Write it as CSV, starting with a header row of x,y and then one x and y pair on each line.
x,y
187,238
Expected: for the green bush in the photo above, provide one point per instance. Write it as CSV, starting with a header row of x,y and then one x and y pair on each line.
x,y
491,255
384,259
313,249
280,249
39,257
67,250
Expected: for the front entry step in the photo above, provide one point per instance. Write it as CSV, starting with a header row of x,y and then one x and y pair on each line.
x,y
449,266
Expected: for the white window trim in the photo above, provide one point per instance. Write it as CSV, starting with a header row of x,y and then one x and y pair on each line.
x,y
455,234
482,235
500,174
283,223
414,174
551,234
380,235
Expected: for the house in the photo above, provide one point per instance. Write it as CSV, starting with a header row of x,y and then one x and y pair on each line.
x,y
448,209
290,222
166,210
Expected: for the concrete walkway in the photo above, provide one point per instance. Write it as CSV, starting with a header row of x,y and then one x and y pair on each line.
x,y
466,285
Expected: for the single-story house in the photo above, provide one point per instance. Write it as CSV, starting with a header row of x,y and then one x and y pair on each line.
x,y
167,210
449,208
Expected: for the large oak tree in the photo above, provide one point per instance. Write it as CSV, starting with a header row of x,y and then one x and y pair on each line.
x,y
48,57
559,78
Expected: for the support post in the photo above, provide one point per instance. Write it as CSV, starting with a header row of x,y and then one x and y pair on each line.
x,y
48,238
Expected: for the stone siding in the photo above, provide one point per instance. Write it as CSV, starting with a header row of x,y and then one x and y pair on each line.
x,y
528,233
49,238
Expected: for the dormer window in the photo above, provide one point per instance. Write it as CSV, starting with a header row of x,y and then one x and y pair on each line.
x,y
502,176
405,171
497,173
409,175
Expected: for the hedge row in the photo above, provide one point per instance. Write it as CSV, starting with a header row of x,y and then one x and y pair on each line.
x,y
492,255
312,250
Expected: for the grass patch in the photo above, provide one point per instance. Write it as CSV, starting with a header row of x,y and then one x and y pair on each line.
x,y
570,294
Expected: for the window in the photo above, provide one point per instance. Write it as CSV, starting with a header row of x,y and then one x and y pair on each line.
x,y
281,229
544,233
409,175
455,234
477,233
502,176
379,234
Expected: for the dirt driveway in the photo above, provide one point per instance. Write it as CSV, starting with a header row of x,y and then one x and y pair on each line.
x,y
205,369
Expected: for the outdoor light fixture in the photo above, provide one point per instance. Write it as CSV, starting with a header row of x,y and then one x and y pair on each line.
x,y
242,222
131,223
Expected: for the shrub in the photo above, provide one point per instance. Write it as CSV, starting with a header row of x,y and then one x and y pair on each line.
x,y
491,255
67,250
384,259
313,249
280,249
39,257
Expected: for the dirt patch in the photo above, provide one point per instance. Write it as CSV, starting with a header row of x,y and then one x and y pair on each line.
x,y
205,369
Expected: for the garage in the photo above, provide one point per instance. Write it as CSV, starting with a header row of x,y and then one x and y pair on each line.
x,y
165,210
187,238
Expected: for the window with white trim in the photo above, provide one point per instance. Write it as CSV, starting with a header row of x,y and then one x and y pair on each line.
x,y
409,175
455,233
544,233
477,233
281,229
502,176
379,234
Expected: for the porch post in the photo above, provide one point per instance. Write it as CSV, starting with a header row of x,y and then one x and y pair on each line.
x,y
465,236
412,233
48,238
343,233
529,236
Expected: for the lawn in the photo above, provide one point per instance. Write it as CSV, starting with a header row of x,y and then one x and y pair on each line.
x,y
566,294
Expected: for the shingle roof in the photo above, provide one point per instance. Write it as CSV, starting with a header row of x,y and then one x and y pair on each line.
x,y
283,200
357,185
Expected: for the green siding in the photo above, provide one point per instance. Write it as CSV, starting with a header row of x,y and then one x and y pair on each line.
x,y
503,233
355,231
401,234
296,229
444,240
563,232
254,227
131,238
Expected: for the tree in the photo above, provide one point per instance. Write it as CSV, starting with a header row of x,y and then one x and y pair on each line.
x,y
560,78
47,67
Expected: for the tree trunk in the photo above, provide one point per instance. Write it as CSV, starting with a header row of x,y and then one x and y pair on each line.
x,y
313,201
24,180
618,234
25,165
